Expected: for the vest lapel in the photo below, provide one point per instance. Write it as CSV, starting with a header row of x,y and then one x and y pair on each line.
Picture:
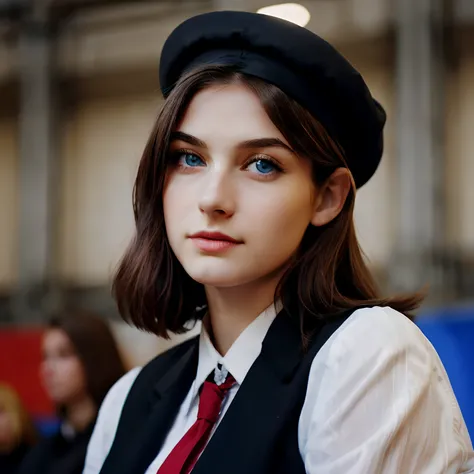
x,y
253,421
143,431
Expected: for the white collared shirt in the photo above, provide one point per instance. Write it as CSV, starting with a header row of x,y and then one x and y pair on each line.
x,y
378,401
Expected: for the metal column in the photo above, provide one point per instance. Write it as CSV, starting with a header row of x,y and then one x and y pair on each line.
x,y
420,139
37,164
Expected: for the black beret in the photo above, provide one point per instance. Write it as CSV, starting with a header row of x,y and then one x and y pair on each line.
x,y
299,62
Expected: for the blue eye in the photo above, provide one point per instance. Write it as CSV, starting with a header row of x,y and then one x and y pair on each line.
x,y
262,166
190,159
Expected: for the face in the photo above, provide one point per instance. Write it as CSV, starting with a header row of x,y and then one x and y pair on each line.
x,y
62,372
237,199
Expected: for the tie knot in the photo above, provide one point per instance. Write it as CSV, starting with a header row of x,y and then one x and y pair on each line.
x,y
212,395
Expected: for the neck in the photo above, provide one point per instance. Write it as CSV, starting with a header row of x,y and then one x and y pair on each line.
x,y
81,413
231,310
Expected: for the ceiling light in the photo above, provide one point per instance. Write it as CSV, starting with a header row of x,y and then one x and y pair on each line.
x,y
293,12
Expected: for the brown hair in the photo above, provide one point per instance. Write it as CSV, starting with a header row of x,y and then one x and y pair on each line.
x,y
328,274
24,430
96,348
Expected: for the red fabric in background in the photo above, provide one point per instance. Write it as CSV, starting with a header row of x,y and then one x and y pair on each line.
x,y
20,357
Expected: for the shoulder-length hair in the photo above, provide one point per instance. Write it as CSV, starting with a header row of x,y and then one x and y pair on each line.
x,y
23,429
95,345
328,273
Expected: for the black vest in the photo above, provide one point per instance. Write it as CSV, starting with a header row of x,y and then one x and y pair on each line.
x,y
259,432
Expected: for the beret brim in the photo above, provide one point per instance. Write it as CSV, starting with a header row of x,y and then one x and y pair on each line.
x,y
299,62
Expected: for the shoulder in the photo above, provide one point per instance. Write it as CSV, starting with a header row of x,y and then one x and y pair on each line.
x,y
378,381
119,391
376,331
107,422
376,352
117,395
112,406
375,345
161,363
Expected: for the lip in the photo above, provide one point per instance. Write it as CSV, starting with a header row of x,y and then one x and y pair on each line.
x,y
213,242
214,236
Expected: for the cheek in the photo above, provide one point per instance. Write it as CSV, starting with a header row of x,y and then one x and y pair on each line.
x,y
278,226
178,203
172,201
74,372
67,372
284,215
72,384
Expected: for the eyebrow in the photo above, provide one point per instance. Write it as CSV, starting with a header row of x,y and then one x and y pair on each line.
x,y
247,144
184,137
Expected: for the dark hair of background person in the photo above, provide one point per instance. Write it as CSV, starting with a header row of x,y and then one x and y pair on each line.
x,y
96,348
328,274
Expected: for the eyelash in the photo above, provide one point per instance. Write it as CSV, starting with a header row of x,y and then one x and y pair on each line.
x,y
177,154
274,163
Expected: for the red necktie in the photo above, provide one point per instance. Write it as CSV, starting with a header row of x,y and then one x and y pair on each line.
x,y
184,455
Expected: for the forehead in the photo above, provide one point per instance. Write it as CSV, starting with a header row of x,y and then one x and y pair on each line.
x,y
56,338
227,112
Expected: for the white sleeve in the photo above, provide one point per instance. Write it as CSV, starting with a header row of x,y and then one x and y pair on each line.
x,y
380,402
107,422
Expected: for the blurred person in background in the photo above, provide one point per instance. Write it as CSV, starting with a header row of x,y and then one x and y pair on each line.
x,y
244,203
81,361
17,433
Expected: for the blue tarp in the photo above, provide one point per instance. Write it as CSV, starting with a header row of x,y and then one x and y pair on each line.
x,y
451,331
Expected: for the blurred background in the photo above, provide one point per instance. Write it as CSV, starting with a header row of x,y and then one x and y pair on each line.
x,y
79,92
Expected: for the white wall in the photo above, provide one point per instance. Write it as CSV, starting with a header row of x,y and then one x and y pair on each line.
x,y
376,202
104,139
460,151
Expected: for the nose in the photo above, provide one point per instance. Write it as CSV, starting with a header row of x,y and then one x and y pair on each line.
x,y
217,194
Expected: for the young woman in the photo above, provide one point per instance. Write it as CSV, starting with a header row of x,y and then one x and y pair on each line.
x,y
244,204
80,364
17,433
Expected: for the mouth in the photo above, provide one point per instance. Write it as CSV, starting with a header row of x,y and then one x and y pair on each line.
x,y
212,242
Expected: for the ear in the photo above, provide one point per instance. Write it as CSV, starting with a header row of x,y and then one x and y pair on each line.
x,y
331,197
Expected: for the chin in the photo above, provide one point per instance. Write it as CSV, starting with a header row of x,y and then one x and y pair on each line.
x,y
59,397
217,281
223,277
57,400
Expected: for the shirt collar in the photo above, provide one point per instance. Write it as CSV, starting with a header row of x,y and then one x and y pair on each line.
x,y
242,354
